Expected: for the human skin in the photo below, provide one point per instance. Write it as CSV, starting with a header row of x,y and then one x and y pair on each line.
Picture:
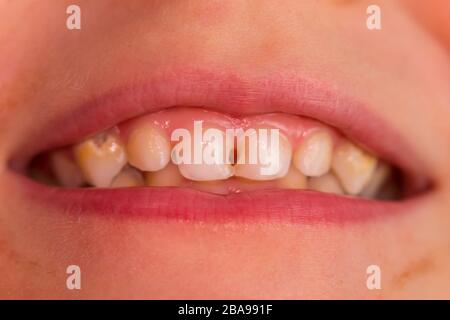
x,y
402,72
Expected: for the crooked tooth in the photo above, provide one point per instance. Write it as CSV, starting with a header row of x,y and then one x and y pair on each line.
x,y
294,179
128,177
65,169
262,169
148,149
101,158
353,166
313,156
379,177
168,177
326,183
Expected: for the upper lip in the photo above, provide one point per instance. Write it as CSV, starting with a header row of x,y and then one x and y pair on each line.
x,y
233,94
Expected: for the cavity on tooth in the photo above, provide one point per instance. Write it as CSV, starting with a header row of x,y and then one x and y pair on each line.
x,y
379,177
254,171
353,166
326,183
313,156
294,179
128,177
65,169
101,158
148,149
168,177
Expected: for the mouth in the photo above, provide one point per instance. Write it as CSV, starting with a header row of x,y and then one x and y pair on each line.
x,y
115,154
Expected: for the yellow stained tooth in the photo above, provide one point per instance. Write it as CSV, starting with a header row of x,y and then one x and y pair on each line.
x,y
245,169
379,177
101,158
148,148
294,179
353,166
65,169
313,156
326,183
128,177
168,177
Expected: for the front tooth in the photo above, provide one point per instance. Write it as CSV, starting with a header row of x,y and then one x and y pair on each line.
x,y
326,183
294,179
128,177
148,149
101,158
313,156
262,170
65,169
168,177
353,166
379,177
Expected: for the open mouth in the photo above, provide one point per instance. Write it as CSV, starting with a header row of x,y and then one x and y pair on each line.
x,y
121,154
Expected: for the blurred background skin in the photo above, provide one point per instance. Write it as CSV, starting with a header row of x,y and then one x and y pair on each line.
x,y
401,70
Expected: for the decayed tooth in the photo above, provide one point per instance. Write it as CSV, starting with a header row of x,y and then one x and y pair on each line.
x,y
294,179
268,164
128,177
313,156
148,149
168,177
353,166
65,169
326,183
101,158
379,177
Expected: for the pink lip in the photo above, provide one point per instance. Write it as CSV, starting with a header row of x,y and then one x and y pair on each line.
x,y
235,95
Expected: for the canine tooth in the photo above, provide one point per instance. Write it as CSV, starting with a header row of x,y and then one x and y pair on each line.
x,y
264,153
313,156
65,169
168,177
379,177
148,149
101,158
353,166
326,183
128,177
294,179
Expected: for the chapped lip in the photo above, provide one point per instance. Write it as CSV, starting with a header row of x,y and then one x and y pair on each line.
x,y
235,95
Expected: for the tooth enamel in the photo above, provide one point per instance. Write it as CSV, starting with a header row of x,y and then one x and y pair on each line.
x,y
313,156
148,149
254,171
65,169
128,177
294,179
101,158
168,177
353,166
379,177
326,183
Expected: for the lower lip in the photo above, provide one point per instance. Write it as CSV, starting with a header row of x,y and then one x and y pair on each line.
x,y
183,204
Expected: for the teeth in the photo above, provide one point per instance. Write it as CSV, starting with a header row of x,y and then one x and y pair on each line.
x,y
379,177
65,169
313,157
353,166
326,183
294,179
101,158
148,149
128,177
269,164
168,177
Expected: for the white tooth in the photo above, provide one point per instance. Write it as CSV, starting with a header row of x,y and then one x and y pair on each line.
x,y
101,158
148,149
326,183
168,177
244,168
294,179
353,166
313,156
128,177
65,169
379,177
